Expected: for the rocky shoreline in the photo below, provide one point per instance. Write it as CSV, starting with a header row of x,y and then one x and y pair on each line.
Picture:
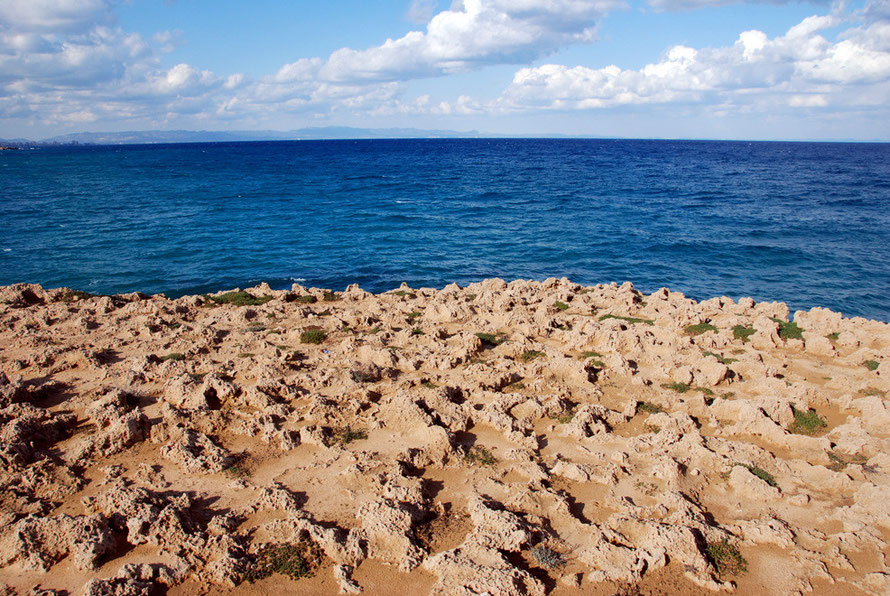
x,y
503,438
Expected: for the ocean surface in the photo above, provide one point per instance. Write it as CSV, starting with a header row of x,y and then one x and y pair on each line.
x,y
804,223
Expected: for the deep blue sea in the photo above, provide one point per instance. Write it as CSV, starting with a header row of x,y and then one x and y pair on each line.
x,y
805,223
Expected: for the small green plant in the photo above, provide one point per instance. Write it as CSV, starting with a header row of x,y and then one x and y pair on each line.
x,y
404,294
649,408
313,336
678,387
871,365
375,331
518,386
788,330
565,417
471,297
630,320
760,473
586,355
414,315
871,391
306,299
417,331
362,377
492,340
246,355
348,435
198,377
647,488
240,299
699,329
560,305
833,336
236,471
547,557
840,461
329,296
296,561
721,359
429,385
726,558
175,356
481,456
806,423
530,355
743,332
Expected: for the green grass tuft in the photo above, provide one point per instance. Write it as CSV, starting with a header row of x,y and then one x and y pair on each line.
x,y
313,336
871,364
743,332
761,473
649,408
560,305
530,355
586,355
296,561
240,299
404,294
348,435
788,330
630,320
726,558
678,387
429,385
721,359
330,296
806,423
547,557
699,329
833,336
481,456
176,356
493,340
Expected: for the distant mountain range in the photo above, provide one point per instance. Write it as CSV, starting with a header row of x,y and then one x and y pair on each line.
x,y
142,137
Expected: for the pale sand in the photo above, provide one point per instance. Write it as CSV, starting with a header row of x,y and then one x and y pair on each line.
x,y
123,473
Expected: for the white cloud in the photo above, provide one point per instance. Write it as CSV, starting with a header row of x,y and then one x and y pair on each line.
x,y
470,34
799,69
679,5
421,11
59,16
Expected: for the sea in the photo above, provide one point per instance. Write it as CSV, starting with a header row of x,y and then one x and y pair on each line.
x,y
803,223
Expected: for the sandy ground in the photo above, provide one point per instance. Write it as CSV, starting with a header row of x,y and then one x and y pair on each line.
x,y
503,438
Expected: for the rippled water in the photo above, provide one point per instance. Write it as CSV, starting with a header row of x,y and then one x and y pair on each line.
x,y
805,223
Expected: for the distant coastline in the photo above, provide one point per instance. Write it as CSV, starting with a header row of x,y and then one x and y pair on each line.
x,y
155,137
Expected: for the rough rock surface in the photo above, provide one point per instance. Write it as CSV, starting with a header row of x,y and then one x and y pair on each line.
x,y
504,438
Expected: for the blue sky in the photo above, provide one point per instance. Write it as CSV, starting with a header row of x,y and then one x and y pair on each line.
x,y
625,68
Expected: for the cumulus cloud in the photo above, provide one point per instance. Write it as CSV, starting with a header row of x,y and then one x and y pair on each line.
x,y
682,5
799,69
421,11
470,34
58,16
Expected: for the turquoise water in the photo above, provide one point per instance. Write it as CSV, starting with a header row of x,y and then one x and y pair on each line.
x,y
806,223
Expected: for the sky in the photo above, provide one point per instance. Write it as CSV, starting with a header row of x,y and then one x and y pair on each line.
x,y
717,69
